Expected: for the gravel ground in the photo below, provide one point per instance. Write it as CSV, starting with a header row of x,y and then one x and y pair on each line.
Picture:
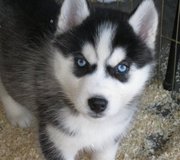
x,y
154,136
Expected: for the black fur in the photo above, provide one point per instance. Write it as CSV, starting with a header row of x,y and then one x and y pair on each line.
x,y
49,151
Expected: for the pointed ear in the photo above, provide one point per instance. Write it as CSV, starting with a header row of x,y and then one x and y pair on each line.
x,y
73,13
145,22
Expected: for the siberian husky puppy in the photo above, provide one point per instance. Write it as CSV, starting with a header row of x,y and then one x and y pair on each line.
x,y
82,82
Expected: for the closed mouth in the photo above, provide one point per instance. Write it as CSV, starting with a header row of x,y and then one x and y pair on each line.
x,y
96,115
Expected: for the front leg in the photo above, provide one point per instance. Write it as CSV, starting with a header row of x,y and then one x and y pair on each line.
x,y
52,147
108,153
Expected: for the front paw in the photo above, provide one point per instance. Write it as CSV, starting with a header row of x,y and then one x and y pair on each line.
x,y
108,153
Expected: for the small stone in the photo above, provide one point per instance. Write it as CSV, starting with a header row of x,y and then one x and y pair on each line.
x,y
155,143
163,110
165,113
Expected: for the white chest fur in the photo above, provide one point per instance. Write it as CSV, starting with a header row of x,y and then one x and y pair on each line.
x,y
92,134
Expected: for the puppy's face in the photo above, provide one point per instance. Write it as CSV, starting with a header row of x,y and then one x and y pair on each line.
x,y
103,62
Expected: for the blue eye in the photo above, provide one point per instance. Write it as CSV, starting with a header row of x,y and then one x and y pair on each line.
x,y
81,62
122,68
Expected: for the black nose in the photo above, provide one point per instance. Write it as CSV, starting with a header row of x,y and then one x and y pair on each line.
x,y
97,105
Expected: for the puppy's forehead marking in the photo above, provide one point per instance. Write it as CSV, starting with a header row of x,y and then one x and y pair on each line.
x,y
118,55
106,33
89,53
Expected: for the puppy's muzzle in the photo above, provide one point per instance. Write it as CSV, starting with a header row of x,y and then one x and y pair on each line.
x,y
97,105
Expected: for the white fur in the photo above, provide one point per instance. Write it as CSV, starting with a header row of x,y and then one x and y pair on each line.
x,y
73,12
91,134
145,21
119,95
17,114
62,66
118,55
109,152
104,41
89,53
